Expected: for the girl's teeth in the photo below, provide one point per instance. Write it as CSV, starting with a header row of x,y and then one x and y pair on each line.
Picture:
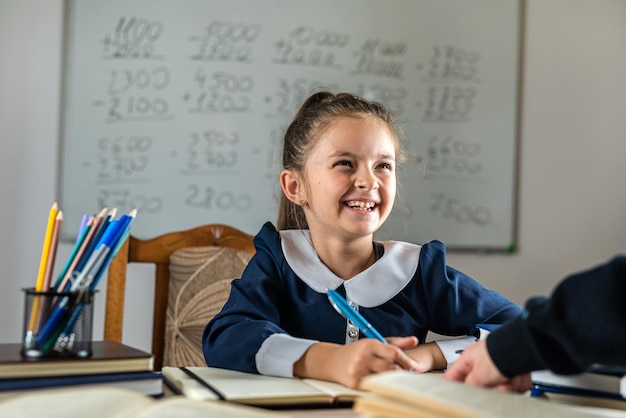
x,y
362,205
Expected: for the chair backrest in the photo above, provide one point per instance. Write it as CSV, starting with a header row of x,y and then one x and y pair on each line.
x,y
200,280
157,251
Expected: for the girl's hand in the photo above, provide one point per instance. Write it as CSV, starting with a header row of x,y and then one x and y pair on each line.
x,y
348,364
428,357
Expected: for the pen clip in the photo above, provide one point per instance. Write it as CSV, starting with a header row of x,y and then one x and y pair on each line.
x,y
334,299
338,309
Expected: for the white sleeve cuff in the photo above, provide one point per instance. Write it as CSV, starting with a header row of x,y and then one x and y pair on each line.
x,y
453,348
279,352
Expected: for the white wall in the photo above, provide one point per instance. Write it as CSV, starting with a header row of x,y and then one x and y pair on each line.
x,y
572,153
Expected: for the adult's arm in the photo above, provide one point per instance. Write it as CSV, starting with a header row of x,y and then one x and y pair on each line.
x,y
582,323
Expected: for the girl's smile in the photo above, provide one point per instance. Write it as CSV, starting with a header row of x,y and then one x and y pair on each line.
x,y
360,205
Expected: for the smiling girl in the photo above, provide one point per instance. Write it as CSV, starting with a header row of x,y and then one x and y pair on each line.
x,y
340,158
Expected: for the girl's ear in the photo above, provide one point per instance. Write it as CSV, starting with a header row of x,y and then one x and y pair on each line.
x,y
292,186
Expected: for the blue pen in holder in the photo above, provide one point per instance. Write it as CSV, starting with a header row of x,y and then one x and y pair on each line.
x,y
57,324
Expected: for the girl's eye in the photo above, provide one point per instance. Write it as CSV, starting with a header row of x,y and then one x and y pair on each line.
x,y
344,163
386,166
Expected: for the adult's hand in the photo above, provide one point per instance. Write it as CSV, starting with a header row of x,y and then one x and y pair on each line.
x,y
475,367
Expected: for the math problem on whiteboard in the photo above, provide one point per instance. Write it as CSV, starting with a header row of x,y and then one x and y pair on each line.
x,y
177,108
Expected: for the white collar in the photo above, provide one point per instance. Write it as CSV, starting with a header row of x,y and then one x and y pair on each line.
x,y
372,287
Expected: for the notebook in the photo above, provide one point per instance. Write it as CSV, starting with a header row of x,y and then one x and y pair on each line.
x,y
209,383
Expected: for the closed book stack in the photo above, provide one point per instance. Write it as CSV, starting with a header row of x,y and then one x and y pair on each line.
x,y
111,364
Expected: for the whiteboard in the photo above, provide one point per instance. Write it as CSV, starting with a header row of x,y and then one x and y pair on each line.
x,y
177,107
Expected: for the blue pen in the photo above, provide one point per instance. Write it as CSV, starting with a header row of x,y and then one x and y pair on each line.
x,y
108,244
125,232
343,307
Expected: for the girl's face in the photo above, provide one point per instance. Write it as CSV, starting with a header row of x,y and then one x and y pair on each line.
x,y
351,178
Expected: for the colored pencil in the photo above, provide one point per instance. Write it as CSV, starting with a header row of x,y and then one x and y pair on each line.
x,y
101,224
83,233
45,252
54,243
83,222
85,280
79,256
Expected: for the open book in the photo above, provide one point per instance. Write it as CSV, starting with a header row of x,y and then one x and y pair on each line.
x,y
206,383
406,395
120,403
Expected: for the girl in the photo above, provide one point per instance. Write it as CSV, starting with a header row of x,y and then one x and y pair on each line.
x,y
339,185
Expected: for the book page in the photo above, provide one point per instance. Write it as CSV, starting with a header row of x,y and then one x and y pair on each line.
x,y
102,402
180,407
380,407
430,392
253,388
97,402
335,390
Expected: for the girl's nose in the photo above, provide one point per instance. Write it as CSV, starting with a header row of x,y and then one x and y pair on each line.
x,y
366,181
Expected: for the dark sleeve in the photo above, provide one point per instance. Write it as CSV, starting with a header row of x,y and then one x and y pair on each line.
x,y
583,322
232,338
455,301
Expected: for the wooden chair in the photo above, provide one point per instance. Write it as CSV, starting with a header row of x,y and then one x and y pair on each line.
x,y
158,250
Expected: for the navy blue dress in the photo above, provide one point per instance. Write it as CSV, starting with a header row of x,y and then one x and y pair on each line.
x,y
279,307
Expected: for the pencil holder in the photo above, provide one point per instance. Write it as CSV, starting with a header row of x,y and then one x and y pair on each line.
x,y
57,324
